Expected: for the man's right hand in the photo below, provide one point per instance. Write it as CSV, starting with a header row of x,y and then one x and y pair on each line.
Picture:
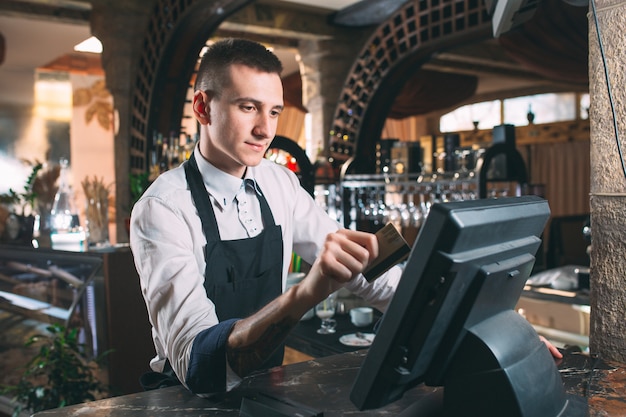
x,y
345,254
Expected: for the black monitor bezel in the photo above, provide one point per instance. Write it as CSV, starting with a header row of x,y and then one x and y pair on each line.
x,y
508,230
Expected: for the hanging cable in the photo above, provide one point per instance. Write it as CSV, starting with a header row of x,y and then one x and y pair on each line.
x,y
608,86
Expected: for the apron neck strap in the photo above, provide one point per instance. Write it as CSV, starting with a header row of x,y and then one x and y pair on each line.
x,y
205,208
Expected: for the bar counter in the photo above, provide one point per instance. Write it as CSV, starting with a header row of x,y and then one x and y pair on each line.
x,y
304,337
324,384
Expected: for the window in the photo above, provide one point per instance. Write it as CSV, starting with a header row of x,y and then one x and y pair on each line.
x,y
483,115
584,106
545,108
540,108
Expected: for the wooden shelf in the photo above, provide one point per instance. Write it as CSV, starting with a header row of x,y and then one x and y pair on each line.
x,y
31,308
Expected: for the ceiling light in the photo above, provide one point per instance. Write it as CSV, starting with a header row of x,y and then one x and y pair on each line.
x,y
92,44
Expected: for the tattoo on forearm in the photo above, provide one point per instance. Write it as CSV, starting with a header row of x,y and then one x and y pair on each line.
x,y
246,359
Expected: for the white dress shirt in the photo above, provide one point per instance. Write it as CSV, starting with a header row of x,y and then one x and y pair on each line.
x,y
167,242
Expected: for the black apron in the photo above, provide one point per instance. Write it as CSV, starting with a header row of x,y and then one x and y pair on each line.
x,y
241,275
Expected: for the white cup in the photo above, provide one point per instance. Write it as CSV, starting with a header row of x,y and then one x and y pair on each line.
x,y
362,316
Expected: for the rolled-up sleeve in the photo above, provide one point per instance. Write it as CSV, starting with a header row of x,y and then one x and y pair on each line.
x,y
167,246
206,372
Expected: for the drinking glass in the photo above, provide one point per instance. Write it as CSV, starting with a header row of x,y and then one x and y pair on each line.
x,y
325,310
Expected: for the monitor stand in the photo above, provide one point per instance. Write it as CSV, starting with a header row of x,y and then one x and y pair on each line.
x,y
429,406
501,368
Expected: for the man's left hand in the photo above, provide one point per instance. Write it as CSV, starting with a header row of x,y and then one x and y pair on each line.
x,y
553,349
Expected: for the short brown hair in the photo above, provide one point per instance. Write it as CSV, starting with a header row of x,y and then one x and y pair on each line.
x,y
213,72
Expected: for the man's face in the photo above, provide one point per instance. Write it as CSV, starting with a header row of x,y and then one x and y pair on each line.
x,y
242,121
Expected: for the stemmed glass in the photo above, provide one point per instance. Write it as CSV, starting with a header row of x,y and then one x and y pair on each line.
x,y
325,310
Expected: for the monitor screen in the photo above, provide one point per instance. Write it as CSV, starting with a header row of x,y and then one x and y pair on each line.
x,y
452,322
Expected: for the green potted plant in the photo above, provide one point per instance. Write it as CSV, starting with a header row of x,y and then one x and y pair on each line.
x,y
138,184
25,200
58,375
20,222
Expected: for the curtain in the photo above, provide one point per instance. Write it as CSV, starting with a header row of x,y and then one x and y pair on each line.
x,y
291,125
564,169
403,129
292,91
291,121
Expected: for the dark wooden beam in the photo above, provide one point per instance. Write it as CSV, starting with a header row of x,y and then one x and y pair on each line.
x,y
66,12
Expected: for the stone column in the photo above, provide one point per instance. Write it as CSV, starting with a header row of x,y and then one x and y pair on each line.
x,y
324,67
121,26
608,183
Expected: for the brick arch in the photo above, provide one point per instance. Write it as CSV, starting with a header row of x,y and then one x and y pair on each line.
x,y
177,30
399,46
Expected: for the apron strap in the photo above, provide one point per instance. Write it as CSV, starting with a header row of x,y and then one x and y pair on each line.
x,y
266,212
201,200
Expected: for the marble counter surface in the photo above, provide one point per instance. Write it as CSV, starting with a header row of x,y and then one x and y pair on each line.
x,y
304,336
324,384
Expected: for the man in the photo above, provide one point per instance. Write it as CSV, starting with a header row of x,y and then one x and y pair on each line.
x,y
212,239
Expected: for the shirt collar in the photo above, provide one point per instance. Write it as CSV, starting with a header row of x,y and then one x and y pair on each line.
x,y
222,186
250,181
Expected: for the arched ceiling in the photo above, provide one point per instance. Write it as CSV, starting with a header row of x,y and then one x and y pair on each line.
x,y
497,72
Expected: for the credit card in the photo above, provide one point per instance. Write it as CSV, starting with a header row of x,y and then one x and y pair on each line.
x,y
392,249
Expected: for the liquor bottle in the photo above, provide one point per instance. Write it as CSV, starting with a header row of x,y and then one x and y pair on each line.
x,y
174,156
164,163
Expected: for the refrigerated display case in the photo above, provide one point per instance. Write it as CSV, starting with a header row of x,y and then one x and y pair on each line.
x,y
96,292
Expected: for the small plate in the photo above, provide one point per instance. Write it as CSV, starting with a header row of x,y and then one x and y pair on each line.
x,y
362,340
